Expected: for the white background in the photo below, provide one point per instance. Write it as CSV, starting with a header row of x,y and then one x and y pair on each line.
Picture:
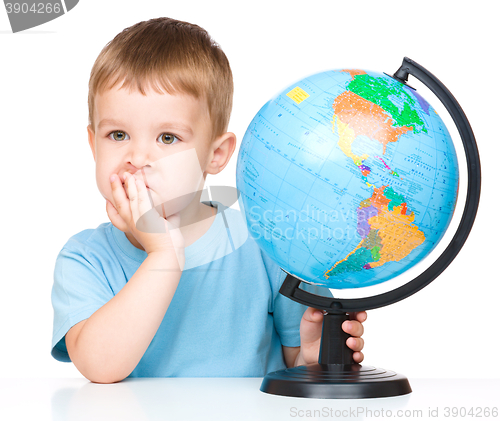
x,y
447,330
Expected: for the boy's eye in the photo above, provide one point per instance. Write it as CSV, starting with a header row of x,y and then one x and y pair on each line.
x,y
167,138
118,135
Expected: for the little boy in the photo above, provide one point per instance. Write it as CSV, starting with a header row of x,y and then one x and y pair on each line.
x,y
173,286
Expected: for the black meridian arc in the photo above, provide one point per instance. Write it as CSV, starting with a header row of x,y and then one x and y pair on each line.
x,y
290,287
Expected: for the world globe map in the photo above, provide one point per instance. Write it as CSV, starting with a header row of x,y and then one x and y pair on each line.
x,y
347,179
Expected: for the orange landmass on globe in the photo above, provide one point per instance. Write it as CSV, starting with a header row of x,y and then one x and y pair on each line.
x,y
398,234
378,198
346,138
354,72
388,235
362,117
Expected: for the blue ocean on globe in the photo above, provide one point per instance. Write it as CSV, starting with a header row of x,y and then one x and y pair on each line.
x,y
347,178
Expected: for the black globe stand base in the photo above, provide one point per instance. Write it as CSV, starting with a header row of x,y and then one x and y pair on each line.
x,y
335,375
335,381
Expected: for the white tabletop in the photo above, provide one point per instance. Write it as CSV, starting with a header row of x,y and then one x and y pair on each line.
x,y
238,399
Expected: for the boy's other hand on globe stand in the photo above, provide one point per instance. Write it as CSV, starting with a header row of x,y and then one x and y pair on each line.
x,y
157,234
311,326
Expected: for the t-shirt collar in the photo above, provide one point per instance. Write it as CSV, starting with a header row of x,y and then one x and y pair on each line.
x,y
194,252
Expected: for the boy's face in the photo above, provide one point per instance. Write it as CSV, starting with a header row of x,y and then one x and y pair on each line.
x,y
163,139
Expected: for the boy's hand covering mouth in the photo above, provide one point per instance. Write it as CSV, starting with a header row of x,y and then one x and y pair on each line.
x,y
155,233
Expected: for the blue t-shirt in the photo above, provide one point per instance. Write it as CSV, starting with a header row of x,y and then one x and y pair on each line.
x,y
226,318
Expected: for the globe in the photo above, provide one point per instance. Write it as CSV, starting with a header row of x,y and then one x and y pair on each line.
x,y
347,178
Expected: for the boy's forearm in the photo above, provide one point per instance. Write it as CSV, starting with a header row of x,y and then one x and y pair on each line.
x,y
114,339
299,360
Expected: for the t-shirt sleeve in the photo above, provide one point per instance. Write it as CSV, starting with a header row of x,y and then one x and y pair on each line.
x,y
80,288
287,313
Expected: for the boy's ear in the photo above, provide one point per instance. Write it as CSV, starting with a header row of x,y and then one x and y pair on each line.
x,y
224,147
91,139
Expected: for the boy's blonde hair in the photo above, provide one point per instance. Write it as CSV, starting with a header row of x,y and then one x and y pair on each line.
x,y
169,55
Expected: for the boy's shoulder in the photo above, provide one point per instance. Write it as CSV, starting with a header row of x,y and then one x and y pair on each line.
x,y
90,235
85,234
90,238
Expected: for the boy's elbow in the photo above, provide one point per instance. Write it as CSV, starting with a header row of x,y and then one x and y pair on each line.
x,y
100,375
95,371
104,379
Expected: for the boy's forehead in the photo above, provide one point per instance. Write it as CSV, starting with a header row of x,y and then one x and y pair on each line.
x,y
116,101
147,93
148,89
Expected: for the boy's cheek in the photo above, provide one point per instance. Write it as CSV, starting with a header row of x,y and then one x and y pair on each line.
x,y
177,178
105,190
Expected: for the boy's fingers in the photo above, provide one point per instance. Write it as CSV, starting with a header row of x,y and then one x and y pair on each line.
x,y
353,328
358,357
115,218
120,198
146,217
313,315
143,201
356,344
310,326
360,316
132,197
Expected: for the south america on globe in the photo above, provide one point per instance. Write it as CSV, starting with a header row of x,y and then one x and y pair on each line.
x,y
347,178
